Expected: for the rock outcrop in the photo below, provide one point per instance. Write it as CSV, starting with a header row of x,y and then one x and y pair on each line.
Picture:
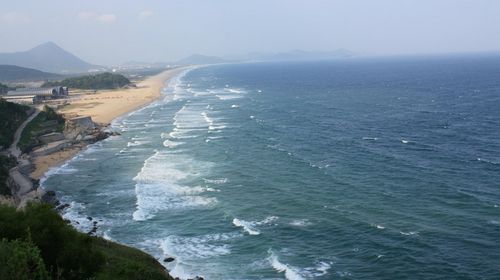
x,y
76,128
23,189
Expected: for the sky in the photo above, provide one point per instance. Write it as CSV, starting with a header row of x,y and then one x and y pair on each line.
x,y
117,31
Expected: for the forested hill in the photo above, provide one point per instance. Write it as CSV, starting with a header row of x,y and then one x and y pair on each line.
x,y
98,81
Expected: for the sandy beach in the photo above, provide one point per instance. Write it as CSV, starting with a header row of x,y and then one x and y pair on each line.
x,y
104,106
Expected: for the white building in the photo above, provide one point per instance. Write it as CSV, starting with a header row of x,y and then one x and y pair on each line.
x,y
35,95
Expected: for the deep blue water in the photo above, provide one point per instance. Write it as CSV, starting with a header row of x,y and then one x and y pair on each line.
x,y
356,169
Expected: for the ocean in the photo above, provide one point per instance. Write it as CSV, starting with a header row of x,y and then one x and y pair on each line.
x,y
385,168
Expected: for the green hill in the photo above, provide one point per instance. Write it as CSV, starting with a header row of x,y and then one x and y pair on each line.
x,y
98,81
37,243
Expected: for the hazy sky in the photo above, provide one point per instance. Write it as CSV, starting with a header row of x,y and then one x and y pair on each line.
x,y
115,31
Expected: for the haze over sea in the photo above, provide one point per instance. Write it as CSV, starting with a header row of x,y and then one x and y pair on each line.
x,y
357,169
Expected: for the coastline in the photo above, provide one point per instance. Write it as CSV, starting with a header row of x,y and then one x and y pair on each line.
x,y
104,107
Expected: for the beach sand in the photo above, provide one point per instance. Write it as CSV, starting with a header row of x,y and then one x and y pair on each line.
x,y
43,163
104,107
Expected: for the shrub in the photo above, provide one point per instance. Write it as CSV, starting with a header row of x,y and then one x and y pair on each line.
x,y
11,117
46,246
6,163
21,260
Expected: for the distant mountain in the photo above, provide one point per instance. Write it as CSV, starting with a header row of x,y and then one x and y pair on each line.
x,y
201,59
47,57
301,55
11,73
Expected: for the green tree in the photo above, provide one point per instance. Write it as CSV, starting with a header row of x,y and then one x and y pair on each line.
x,y
21,260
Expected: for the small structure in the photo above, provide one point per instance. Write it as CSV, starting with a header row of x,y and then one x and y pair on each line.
x,y
36,95
76,128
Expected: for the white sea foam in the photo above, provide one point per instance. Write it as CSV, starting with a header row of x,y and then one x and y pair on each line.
x,y
187,251
216,127
235,106
320,269
494,222
323,268
106,235
404,141
234,90
291,273
247,226
74,214
212,138
158,185
136,143
208,120
408,232
218,181
175,86
171,144
250,227
227,96
229,93
66,169
300,223
63,169
378,226
199,247
190,116
181,134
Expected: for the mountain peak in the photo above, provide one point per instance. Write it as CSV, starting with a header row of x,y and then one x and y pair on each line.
x,y
47,46
48,57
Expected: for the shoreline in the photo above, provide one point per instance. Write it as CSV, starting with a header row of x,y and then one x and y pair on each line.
x,y
44,166
104,107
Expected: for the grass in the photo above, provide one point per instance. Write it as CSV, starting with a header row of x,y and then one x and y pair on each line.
x,y
34,129
65,252
127,263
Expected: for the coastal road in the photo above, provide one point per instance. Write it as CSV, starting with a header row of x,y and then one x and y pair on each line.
x,y
14,150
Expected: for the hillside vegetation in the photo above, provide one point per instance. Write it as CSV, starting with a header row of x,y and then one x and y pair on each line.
x,y
11,117
46,122
6,163
3,88
37,243
98,81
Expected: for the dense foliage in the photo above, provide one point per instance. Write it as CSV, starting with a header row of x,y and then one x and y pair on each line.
x,y
21,260
46,122
11,117
6,163
3,88
98,81
38,234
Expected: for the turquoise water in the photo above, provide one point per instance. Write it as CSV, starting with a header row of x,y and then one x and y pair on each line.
x,y
355,169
